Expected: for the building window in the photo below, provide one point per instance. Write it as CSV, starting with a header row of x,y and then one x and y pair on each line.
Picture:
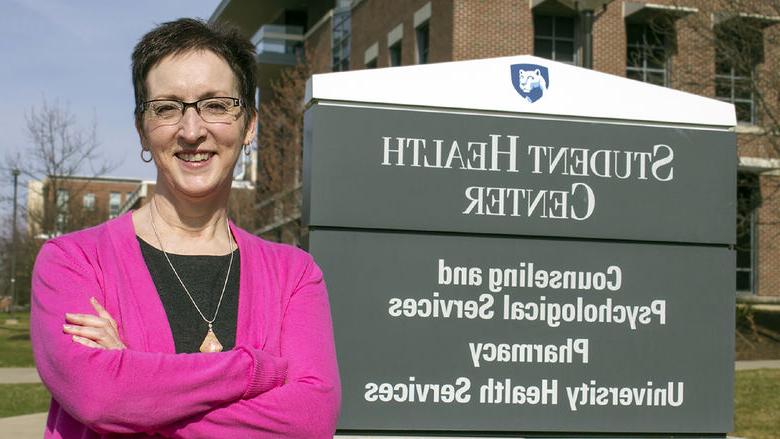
x,y
88,201
342,22
738,49
62,199
395,54
62,210
423,42
554,38
370,56
647,55
114,202
748,200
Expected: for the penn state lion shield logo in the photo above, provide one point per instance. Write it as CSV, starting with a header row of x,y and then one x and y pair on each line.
x,y
530,80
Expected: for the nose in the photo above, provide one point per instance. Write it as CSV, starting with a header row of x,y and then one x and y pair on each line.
x,y
192,129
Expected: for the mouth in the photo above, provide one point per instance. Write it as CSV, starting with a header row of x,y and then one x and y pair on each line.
x,y
194,157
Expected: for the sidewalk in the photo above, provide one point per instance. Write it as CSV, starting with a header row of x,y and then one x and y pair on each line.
x,y
23,427
19,375
757,364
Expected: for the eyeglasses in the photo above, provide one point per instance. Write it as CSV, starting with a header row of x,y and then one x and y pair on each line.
x,y
217,109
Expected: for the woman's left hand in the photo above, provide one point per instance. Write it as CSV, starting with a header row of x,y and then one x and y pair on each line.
x,y
98,331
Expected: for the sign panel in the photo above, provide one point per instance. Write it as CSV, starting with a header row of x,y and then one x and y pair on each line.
x,y
516,245
494,334
407,169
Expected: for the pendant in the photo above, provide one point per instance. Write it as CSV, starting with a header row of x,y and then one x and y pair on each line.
x,y
210,343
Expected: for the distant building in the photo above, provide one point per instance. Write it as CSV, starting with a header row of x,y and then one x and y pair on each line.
x,y
60,204
57,205
689,45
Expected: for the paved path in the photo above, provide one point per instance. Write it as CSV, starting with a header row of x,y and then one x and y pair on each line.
x,y
757,364
23,427
19,375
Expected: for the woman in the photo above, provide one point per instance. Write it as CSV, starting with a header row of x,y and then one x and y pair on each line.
x,y
170,320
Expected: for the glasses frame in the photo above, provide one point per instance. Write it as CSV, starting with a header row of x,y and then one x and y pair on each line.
x,y
194,104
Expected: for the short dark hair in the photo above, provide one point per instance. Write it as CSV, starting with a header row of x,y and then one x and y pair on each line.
x,y
188,34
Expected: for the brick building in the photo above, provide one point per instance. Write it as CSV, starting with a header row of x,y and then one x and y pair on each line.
x,y
57,205
705,47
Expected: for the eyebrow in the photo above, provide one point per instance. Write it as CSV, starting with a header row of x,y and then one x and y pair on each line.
x,y
175,97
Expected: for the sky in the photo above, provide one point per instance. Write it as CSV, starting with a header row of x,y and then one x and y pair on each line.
x,y
77,53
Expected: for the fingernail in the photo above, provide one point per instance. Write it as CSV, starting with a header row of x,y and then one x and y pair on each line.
x,y
92,299
67,326
68,315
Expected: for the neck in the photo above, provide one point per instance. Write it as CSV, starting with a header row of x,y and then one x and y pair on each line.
x,y
185,219
185,226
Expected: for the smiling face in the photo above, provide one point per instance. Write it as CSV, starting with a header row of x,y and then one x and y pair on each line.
x,y
194,158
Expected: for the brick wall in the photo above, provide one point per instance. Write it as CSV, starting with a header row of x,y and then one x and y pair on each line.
x,y
491,28
769,237
372,20
79,217
318,47
609,40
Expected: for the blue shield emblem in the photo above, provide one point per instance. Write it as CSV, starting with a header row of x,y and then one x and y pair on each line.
x,y
530,80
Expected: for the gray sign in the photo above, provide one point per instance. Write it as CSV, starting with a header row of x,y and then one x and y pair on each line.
x,y
441,332
434,171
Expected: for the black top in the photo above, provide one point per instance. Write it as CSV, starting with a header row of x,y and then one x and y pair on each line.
x,y
204,276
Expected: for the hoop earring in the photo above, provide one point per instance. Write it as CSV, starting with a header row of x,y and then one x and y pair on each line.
x,y
248,149
143,150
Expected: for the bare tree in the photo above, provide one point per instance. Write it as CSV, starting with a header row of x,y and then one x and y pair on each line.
x,y
280,144
59,150
730,50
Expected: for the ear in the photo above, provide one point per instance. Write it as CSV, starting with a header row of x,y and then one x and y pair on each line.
x,y
251,129
140,130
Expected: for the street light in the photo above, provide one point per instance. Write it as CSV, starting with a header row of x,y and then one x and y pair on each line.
x,y
15,173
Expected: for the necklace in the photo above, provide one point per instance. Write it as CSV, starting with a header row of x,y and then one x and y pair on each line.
x,y
210,342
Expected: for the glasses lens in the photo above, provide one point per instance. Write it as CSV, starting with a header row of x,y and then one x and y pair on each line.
x,y
164,111
218,109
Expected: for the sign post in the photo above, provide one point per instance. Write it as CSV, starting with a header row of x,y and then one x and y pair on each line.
x,y
518,246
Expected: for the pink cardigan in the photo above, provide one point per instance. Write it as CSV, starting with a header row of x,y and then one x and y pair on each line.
x,y
281,380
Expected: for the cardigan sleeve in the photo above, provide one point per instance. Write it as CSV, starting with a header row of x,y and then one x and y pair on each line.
x,y
307,405
126,391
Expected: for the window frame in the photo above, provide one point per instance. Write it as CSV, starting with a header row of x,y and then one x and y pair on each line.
x,y
735,39
554,38
747,218
645,47
91,204
422,56
395,50
341,40
111,212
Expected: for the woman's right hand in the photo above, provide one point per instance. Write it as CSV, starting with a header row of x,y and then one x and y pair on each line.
x,y
99,332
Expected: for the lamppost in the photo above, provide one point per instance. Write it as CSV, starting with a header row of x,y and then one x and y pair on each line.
x,y
15,173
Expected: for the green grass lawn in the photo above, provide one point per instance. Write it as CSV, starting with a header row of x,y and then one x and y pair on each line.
x,y
15,350
757,404
23,399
